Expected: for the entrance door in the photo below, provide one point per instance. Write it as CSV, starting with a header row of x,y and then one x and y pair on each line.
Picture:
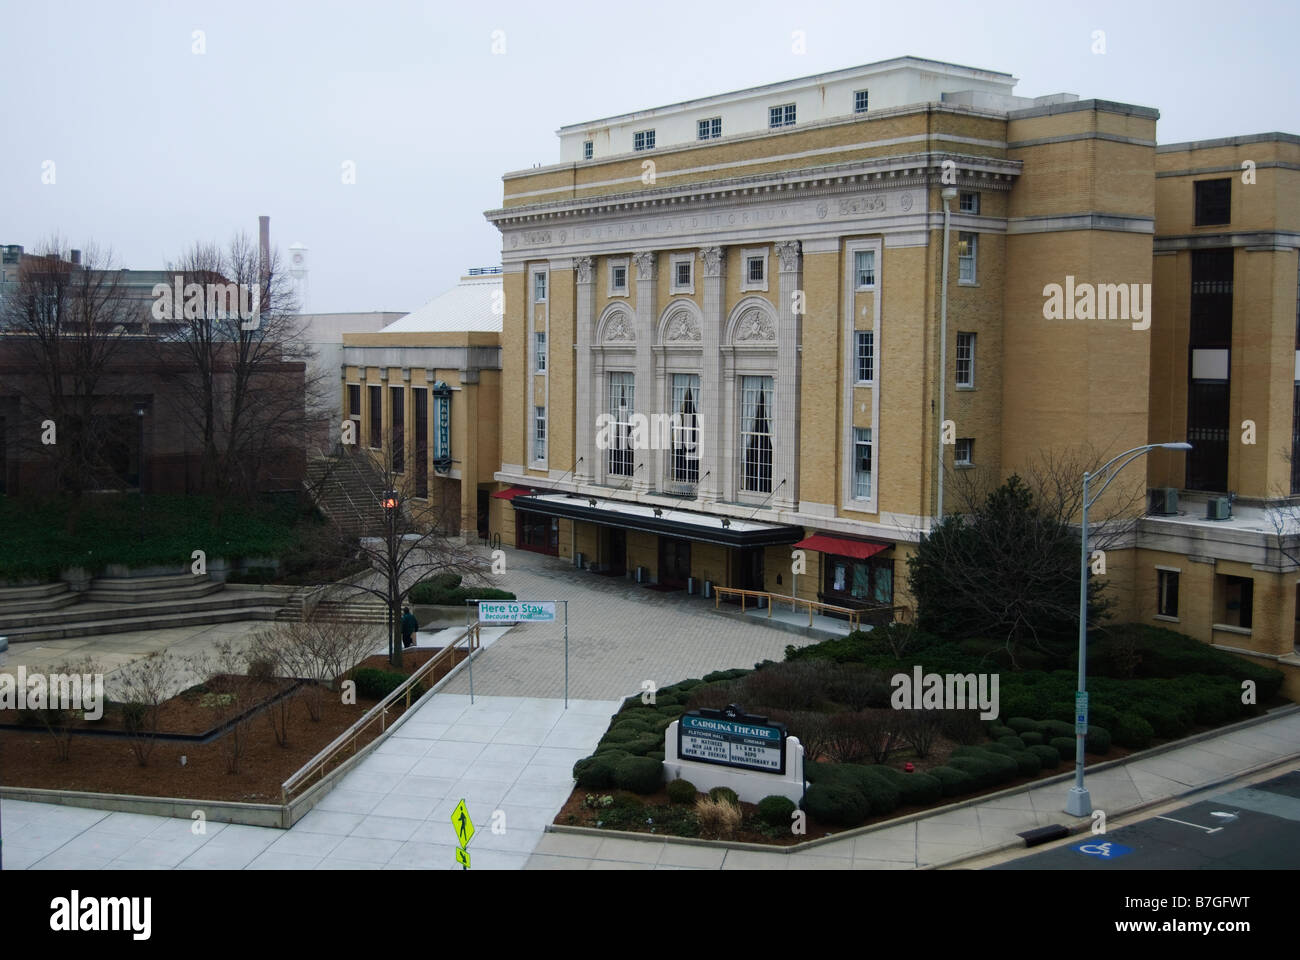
x,y
613,551
483,508
747,570
674,562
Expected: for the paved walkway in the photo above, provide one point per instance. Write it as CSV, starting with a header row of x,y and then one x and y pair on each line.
x,y
506,756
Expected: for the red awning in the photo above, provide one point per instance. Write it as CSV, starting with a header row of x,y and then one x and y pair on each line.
x,y
511,492
858,549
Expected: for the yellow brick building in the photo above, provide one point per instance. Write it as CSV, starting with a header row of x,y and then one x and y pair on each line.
x,y
725,327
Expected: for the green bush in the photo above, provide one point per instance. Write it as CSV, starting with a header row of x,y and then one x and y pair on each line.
x,y
1057,728
953,781
980,770
639,774
1028,762
629,729
682,791
1006,749
1032,738
920,789
1065,746
1015,743
1047,755
837,804
997,731
1097,741
776,811
644,745
446,590
720,675
595,773
1169,721
1132,731
874,783
1025,725
719,794
623,735
377,684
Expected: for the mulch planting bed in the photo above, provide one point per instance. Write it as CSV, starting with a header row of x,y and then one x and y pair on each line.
x,y
29,758
666,817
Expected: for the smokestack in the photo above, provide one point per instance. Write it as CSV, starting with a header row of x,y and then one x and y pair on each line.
x,y
74,256
264,258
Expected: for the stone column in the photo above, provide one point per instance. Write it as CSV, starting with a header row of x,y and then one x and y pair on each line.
x,y
584,418
714,280
645,475
785,452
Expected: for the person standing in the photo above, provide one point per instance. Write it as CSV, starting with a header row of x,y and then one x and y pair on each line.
x,y
409,626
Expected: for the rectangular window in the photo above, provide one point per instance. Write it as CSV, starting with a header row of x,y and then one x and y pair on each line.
x,y
541,352
859,101
710,129
622,396
1208,395
969,202
398,397
1234,601
643,140
865,269
539,287
539,433
1167,593
964,452
865,581
782,116
756,434
354,410
861,463
586,149
618,277
376,397
965,359
754,267
1213,201
966,251
685,461
684,274
420,403
866,355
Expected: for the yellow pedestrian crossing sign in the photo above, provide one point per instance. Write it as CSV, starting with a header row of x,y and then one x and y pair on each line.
x,y
462,824
462,857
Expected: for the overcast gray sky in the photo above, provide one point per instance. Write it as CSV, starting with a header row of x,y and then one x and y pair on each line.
x,y
156,146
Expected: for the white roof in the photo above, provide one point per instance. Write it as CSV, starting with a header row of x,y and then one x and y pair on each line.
x,y
468,306
704,521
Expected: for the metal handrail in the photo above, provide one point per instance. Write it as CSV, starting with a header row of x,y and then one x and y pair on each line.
x,y
318,763
854,616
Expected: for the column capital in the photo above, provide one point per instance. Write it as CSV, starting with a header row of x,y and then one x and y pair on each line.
x,y
715,261
645,264
585,269
788,251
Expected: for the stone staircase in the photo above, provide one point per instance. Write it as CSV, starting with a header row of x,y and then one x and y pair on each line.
x,y
340,488
128,604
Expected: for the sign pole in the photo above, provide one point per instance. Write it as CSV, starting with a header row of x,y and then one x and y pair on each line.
x,y
566,654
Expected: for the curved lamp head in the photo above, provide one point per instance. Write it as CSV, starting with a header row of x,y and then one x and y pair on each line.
x,y
1175,446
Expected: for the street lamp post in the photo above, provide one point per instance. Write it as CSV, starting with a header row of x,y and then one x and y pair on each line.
x,y
1078,802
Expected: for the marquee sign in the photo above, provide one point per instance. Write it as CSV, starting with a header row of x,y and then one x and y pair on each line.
x,y
732,738
441,427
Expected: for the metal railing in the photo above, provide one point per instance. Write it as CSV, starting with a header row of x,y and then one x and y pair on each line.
x,y
319,765
854,616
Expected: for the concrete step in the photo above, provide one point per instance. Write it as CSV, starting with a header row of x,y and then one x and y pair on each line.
x,y
120,594
35,591
52,601
229,599
133,584
94,628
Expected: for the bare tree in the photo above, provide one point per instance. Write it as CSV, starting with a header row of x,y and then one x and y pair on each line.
x,y
224,667
400,545
244,392
66,322
316,650
59,718
143,686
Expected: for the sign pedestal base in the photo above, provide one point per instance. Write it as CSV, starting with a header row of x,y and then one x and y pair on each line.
x,y
751,786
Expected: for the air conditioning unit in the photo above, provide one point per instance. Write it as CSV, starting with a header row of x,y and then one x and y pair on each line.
x,y
1163,501
1218,508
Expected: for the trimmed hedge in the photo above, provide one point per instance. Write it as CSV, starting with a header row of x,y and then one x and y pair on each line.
x,y
1028,763
1132,731
1047,755
1023,725
719,794
776,811
1097,741
997,731
921,789
377,684
595,773
837,804
1065,746
682,791
1032,738
639,774
953,781
1015,743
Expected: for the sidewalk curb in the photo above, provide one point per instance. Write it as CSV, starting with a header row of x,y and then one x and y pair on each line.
x,y
1082,825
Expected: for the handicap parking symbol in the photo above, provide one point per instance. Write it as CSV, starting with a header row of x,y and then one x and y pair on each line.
x,y
1106,851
